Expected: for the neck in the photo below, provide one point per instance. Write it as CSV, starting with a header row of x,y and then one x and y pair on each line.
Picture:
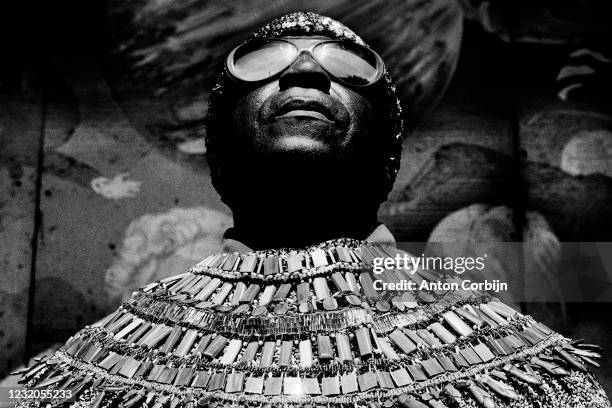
x,y
296,208
286,229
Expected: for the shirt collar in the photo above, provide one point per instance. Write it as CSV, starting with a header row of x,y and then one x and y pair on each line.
x,y
380,234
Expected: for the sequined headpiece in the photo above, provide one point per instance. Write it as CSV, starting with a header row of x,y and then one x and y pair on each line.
x,y
306,23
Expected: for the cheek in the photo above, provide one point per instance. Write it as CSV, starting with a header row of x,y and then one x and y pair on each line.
x,y
247,111
363,111
244,114
360,112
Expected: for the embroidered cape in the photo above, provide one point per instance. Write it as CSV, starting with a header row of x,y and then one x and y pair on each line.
x,y
305,327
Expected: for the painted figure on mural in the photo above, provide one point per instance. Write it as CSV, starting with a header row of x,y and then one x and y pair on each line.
x,y
287,314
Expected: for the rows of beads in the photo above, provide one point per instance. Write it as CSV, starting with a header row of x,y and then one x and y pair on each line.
x,y
353,349
360,394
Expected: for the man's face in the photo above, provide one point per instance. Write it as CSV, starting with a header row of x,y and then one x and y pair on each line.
x,y
303,110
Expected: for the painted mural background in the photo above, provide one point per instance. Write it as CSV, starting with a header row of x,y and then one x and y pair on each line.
x,y
103,178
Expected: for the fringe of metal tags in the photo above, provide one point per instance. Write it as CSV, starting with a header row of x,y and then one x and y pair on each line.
x,y
306,328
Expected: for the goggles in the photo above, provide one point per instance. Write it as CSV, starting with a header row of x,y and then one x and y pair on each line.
x,y
352,64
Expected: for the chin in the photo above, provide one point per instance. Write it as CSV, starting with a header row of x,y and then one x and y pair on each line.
x,y
299,145
303,132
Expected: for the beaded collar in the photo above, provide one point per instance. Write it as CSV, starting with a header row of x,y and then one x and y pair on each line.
x,y
291,327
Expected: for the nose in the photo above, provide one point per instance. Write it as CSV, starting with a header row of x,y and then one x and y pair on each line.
x,y
305,72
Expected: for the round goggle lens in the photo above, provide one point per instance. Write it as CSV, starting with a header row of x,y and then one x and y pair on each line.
x,y
352,64
254,62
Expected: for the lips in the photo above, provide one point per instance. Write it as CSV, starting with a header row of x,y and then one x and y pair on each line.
x,y
304,108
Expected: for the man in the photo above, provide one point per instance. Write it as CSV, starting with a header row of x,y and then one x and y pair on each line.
x,y
309,150
304,139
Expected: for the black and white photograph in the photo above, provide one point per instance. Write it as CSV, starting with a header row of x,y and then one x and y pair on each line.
x,y
306,203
